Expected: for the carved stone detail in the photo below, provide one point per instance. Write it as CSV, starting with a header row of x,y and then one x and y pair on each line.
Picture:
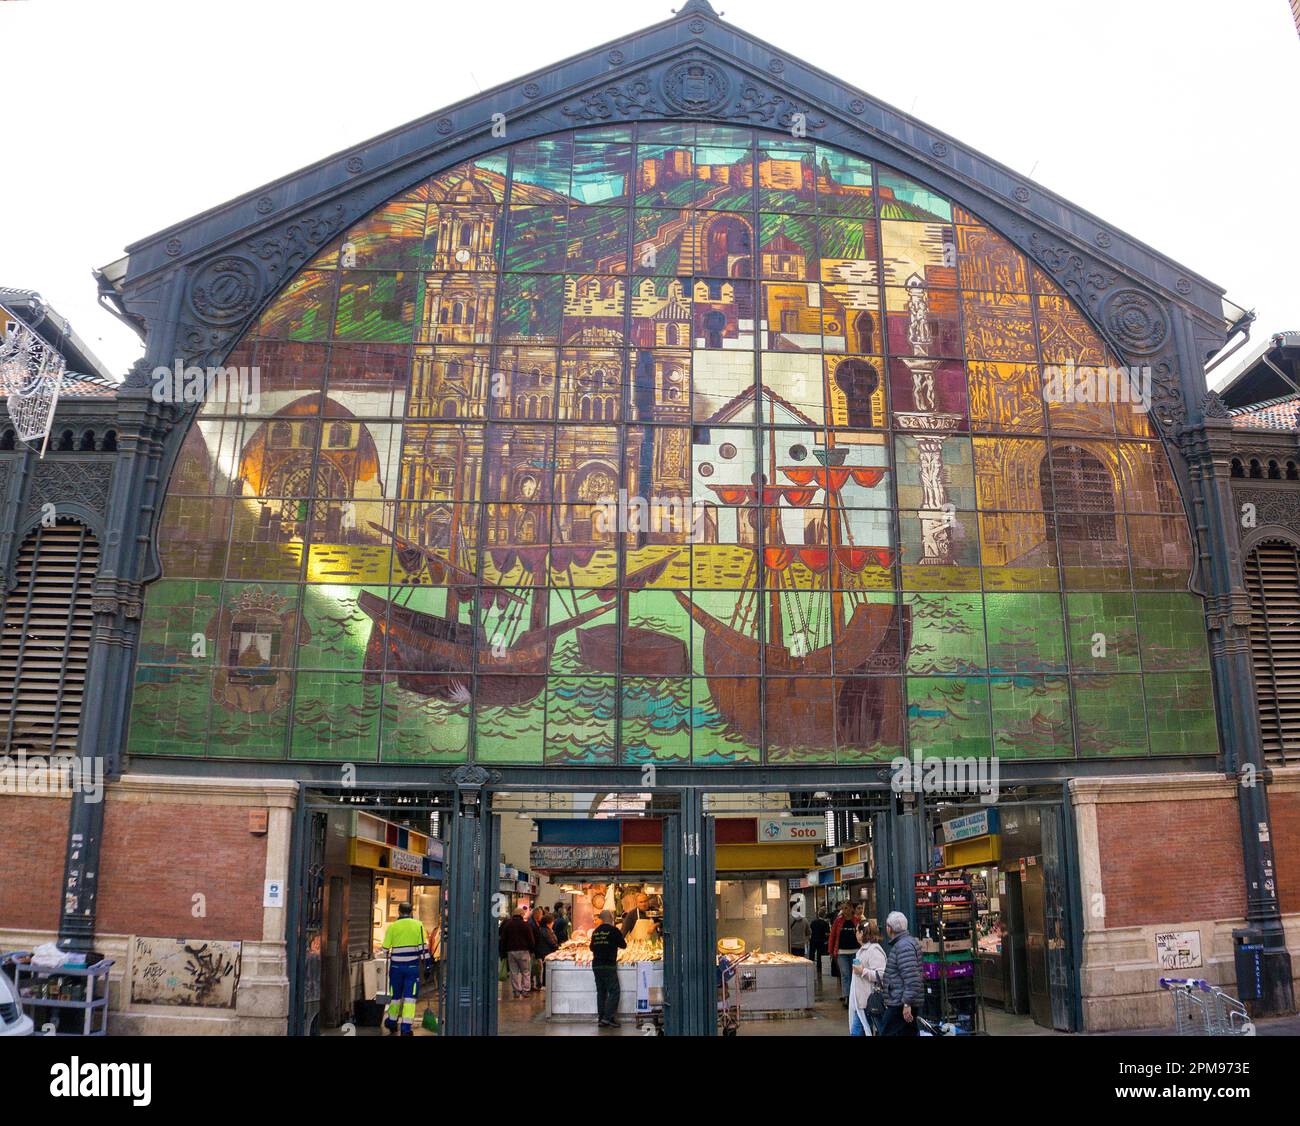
x,y
1135,320
1212,406
619,100
695,86
63,482
1272,506
471,775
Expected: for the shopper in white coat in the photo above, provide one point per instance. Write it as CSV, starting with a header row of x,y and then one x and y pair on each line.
x,y
868,974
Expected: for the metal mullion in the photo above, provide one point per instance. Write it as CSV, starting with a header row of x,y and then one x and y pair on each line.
x,y
489,421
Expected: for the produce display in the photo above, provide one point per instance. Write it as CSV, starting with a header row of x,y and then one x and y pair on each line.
x,y
774,958
577,951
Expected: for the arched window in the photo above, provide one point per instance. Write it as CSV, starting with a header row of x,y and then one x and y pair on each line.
x,y
340,435
1272,573
281,435
45,643
858,381
1078,489
466,234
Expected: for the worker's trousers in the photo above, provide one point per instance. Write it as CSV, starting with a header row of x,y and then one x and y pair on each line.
x,y
404,985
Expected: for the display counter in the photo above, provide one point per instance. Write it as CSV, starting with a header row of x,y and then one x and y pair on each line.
x,y
571,988
770,983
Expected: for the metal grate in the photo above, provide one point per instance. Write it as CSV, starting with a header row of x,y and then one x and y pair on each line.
x,y
45,642
1273,581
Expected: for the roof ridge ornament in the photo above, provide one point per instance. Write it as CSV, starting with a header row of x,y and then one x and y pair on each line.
x,y
696,8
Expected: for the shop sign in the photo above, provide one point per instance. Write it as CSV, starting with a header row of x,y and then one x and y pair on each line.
x,y
401,861
435,850
826,860
574,858
810,829
853,872
972,825
1178,950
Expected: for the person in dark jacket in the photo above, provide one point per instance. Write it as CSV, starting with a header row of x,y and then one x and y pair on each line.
x,y
546,944
904,983
819,935
606,941
561,925
516,945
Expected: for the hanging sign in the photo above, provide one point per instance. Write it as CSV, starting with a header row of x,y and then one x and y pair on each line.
x,y
972,825
574,858
399,860
810,829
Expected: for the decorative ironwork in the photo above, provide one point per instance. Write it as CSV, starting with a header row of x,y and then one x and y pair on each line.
x,y
31,376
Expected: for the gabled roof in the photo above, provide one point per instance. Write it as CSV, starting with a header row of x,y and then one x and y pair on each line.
x,y
1260,376
734,405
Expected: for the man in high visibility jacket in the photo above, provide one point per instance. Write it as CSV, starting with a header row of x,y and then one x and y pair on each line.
x,y
407,945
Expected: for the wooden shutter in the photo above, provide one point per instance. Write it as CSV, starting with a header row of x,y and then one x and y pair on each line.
x,y
45,643
1273,580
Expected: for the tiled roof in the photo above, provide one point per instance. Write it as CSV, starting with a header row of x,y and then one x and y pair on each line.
x,y
86,387
1274,414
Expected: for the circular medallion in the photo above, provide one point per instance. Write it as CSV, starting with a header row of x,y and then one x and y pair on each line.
x,y
444,125
727,451
1137,322
264,205
173,247
695,86
225,290
1022,194
1102,239
939,148
615,56
857,106
355,164
705,469
531,89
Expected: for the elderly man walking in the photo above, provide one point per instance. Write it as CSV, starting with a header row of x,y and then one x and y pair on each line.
x,y
904,983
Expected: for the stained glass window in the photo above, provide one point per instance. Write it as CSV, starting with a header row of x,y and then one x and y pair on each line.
x,y
672,444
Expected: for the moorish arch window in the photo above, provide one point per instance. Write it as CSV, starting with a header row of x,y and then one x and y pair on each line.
x,y
838,477
1272,573
45,643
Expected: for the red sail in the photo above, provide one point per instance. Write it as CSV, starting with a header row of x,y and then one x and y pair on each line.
x,y
800,498
868,478
778,558
816,559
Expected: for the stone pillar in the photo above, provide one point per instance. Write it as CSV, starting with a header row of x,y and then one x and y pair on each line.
x,y
1208,447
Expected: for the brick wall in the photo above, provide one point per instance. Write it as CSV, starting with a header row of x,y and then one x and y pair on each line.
x,y
158,856
1164,862
1284,813
33,840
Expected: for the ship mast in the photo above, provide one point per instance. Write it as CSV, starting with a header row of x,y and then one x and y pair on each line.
x,y
774,529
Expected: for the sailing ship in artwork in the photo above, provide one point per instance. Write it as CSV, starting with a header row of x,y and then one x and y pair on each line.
x,y
805,705
437,655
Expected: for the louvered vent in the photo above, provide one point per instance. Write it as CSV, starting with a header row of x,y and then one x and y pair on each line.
x,y
1273,580
46,640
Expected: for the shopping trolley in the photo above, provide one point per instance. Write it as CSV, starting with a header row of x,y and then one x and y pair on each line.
x,y
1202,1010
729,990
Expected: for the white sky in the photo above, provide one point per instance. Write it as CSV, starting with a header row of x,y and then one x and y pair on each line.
x,y
1173,120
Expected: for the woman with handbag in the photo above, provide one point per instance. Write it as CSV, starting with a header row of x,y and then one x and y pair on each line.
x,y
866,1000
